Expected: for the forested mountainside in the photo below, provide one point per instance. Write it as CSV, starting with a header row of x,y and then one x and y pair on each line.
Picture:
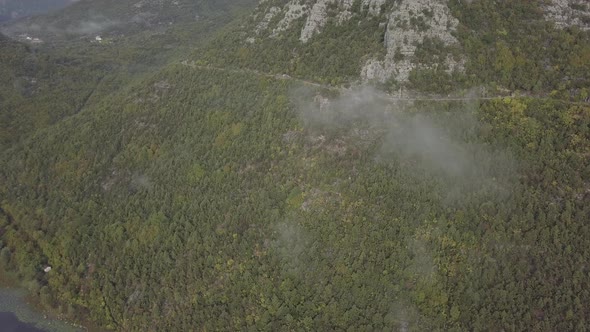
x,y
46,80
311,165
38,89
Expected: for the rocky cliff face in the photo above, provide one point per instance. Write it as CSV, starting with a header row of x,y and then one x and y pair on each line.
x,y
410,27
316,13
408,24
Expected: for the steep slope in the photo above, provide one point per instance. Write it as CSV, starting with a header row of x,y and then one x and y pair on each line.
x,y
45,82
231,205
219,193
428,46
37,90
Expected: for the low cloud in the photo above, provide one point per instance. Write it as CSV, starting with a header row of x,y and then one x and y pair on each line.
x,y
431,141
418,137
92,26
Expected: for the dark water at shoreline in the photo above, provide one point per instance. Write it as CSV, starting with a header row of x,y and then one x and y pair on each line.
x,y
10,323
16,315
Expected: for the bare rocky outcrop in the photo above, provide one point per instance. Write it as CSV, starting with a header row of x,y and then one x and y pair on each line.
x,y
410,23
293,10
270,14
317,18
315,12
373,6
568,13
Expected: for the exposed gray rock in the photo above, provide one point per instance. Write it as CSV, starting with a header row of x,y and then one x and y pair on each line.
x,y
293,10
315,20
318,16
263,24
567,13
315,13
373,6
410,23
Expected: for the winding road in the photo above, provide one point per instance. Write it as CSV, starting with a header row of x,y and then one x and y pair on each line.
x,y
331,87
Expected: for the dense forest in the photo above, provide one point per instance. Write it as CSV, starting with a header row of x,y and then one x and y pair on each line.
x,y
218,196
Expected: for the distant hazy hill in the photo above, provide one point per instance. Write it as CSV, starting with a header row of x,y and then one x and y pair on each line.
x,y
14,9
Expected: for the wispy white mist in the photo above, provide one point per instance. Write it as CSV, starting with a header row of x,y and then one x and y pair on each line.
x,y
401,134
91,26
